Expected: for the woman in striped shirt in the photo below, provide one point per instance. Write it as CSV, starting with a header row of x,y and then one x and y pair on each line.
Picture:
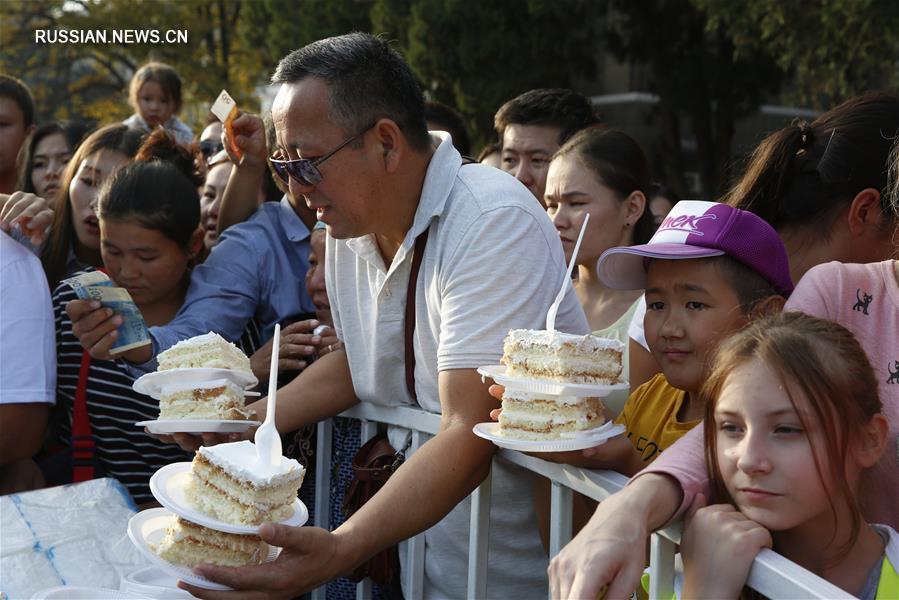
x,y
148,217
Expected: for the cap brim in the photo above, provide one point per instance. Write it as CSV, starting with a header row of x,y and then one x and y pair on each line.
x,y
622,268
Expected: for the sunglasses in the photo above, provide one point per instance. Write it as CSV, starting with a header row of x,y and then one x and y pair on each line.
x,y
210,148
305,170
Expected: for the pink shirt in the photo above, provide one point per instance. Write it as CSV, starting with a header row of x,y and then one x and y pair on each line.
x,y
864,298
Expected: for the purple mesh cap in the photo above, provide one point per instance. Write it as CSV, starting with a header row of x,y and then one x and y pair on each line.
x,y
695,229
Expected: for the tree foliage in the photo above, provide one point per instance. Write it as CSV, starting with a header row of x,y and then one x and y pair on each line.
x,y
829,49
472,57
273,28
704,87
91,79
475,57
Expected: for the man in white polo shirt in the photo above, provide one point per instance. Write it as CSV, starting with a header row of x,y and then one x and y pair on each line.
x,y
27,364
353,143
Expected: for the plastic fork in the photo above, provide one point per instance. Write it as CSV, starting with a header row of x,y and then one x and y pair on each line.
x,y
267,439
551,315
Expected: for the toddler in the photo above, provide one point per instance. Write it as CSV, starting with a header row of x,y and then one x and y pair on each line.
x,y
155,94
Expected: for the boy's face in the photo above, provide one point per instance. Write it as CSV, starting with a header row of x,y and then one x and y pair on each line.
x,y
690,307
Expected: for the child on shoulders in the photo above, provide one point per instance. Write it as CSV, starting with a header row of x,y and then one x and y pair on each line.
x,y
155,94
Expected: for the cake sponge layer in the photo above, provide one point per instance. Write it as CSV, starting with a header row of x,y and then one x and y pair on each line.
x,y
226,483
210,351
189,544
218,399
534,417
562,357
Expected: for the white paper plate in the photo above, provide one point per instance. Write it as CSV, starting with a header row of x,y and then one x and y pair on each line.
x,y
161,426
551,388
65,592
572,441
151,384
147,530
152,582
167,486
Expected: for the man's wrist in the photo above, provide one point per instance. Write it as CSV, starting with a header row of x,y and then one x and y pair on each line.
x,y
347,554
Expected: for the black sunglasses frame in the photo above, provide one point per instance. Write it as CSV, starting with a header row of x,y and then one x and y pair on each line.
x,y
305,170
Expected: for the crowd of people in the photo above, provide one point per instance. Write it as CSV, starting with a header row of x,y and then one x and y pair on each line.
x,y
762,328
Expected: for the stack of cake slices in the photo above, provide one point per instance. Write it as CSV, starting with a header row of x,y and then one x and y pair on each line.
x,y
226,485
182,396
553,356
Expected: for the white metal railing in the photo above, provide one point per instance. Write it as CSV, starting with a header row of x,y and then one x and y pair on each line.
x,y
771,574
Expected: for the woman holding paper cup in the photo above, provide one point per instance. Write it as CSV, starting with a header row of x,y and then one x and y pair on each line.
x,y
148,220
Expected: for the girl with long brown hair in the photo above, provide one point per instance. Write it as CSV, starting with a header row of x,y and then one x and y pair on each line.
x,y
793,420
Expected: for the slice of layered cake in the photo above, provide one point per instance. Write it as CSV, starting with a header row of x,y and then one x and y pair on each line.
x,y
210,351
528,416
189,544
562,357
216,399
226,484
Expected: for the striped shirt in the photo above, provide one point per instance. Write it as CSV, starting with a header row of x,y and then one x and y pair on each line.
x,y
122,450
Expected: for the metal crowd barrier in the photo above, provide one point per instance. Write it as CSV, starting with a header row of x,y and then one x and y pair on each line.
x,y
771,574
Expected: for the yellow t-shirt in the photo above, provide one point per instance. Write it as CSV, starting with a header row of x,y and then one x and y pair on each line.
x,y
650,416
618,331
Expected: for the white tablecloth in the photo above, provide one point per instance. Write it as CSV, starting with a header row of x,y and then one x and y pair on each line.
x,y
74,535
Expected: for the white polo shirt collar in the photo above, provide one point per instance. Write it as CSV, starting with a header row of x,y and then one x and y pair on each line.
x,y
439,180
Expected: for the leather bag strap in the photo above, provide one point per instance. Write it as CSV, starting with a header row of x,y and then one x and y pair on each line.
x,y
420,243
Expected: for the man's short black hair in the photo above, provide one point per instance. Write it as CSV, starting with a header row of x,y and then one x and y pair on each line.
x,y
18,92
553,107
368,80
451,121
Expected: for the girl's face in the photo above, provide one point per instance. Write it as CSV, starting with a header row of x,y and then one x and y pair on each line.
x,y
142,260
51,155
315,277
211,200
154,105
83,189
573,191
764,453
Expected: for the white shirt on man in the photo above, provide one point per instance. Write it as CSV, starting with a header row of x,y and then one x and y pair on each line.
x,y
493,262
27,333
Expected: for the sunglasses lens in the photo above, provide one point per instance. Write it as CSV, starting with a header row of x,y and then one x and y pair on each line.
x,y
301,171
281,171
308,173
209,147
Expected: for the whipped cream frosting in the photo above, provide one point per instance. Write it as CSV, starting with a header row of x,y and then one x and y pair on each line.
x,y
239,460
542,337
